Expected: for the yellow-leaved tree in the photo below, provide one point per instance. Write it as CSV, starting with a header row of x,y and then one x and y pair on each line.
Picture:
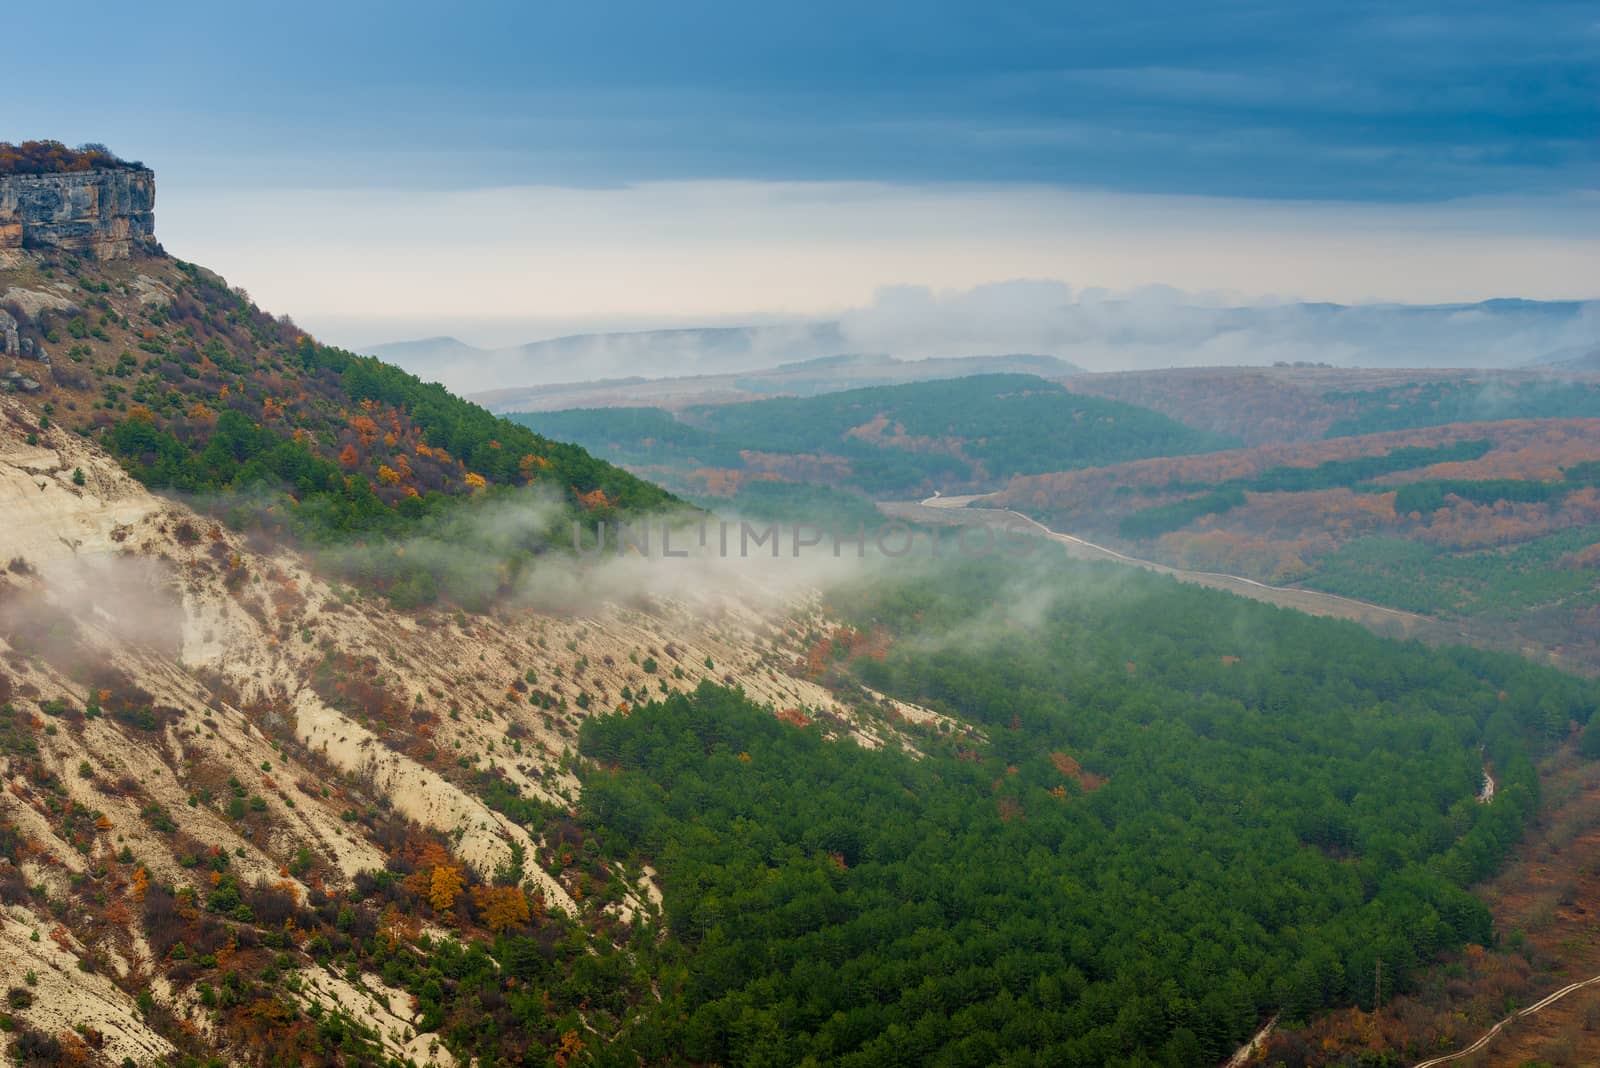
x,y
444,886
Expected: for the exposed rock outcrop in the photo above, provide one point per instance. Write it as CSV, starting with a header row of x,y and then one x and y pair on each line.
x,y
104,214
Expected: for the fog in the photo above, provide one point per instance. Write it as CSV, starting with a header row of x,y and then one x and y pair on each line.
x,y
1148,327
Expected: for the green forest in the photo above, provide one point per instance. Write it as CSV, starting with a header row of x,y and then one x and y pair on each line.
x,y
1163,812
1219,497
1500,582
1437,403
238,453
897,440
1429,496
346,455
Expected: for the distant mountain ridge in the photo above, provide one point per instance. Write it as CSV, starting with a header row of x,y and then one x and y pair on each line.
x,y
1099,335
803,378
574,357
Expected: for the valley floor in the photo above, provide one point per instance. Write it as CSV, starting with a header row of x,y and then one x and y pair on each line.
x,y
1388,622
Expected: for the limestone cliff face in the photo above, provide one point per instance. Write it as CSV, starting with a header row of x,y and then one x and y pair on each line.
x,y
103,214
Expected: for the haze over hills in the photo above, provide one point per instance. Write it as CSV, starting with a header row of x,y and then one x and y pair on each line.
x,y
1505,545
1584,360
1267,405
612,355
1150,329
824,374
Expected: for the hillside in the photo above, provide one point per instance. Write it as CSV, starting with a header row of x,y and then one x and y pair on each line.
x,y
1496,524
829,374
1275,405
222,769
208,740
200,392
949,435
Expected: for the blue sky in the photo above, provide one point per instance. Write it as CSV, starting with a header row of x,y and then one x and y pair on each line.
x,y
1352,104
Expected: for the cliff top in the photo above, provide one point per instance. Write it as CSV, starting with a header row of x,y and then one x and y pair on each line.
x,y
53,157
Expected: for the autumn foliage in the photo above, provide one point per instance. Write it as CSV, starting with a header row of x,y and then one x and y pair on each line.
x,y
53,157
501,907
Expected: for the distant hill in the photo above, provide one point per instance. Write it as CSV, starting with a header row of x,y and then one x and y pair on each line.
x,y
577,357
436,352
886,441
1268,405
806,378
1498,333
1101,335
1495,524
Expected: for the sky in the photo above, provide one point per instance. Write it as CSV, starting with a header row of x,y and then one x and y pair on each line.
x,y
506,171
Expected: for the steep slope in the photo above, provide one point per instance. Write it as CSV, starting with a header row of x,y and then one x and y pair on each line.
x,y
199,391
189,717
249,803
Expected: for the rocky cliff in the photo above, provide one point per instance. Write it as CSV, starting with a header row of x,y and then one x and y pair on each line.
x,y
103,214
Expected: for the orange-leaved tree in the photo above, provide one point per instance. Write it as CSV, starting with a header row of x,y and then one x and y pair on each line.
x,y
502,906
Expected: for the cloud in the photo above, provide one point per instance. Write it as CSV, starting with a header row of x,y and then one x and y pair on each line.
x,y
1313,99
1161,326
1002,317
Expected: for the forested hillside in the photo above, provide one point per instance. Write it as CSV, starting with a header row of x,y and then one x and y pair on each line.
x,y
198,391
254,816
1438,403
1294,403
1167,813
884,441
1495,524
1111,820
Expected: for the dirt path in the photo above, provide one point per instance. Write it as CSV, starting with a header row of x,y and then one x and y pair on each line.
x,y
1389,622
1247,1051
1488,1036
959,511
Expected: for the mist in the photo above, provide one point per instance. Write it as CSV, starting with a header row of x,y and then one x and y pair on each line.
x,y
1098,330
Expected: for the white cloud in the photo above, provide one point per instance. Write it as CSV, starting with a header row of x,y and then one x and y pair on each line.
x,y
1161,326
